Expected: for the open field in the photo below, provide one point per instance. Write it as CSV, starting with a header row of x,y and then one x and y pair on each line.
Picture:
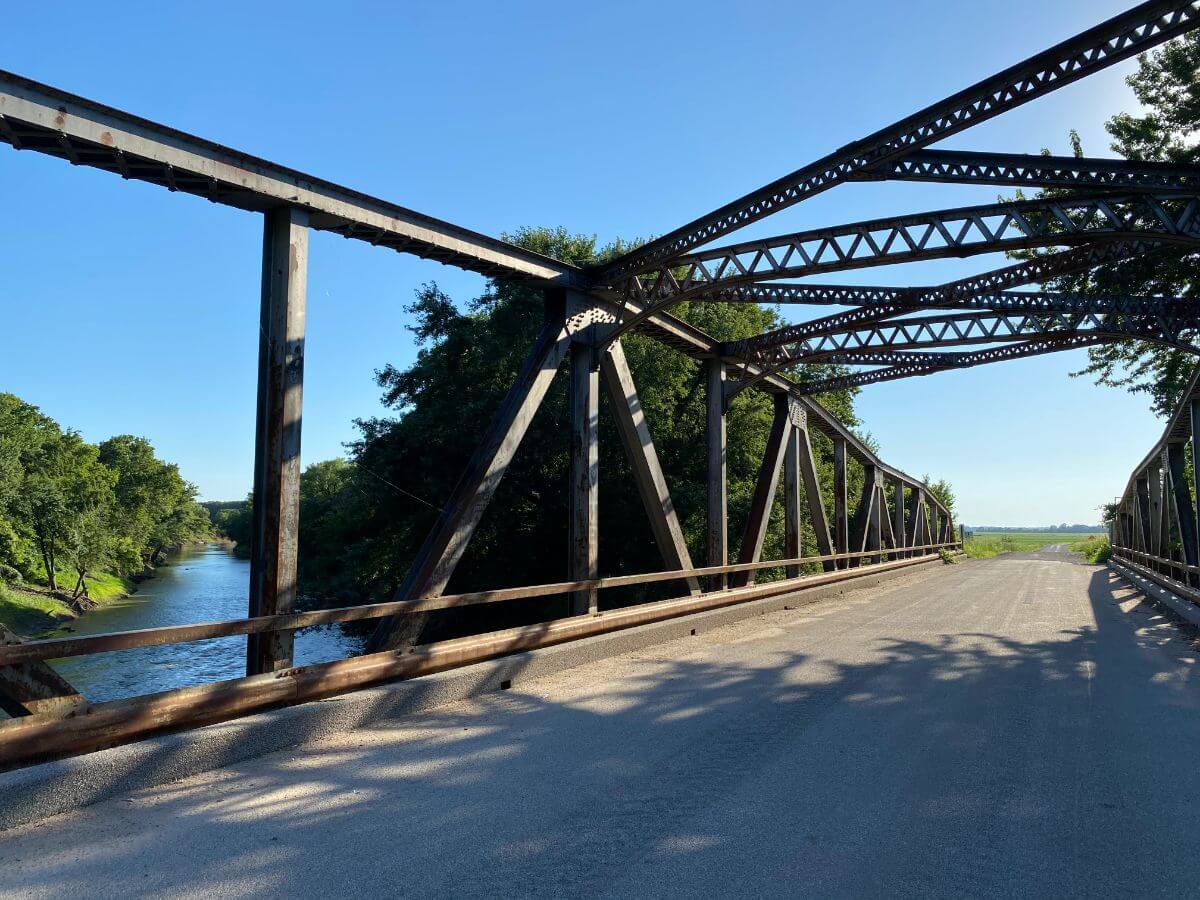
x,y
985,544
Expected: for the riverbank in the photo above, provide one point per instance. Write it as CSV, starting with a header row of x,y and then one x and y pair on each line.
x,y
30,610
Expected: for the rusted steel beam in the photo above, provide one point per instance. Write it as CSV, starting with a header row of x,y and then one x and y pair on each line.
x,y
960,361
899,536
648,475
1182,504
1192,406
276,529
963,293
792,485
1154,482
1121,37
866,515
841,513
31,688
444,547
37,738
46,120
937,234
1036,170
584,536
717,488
55,648
759,517
812,495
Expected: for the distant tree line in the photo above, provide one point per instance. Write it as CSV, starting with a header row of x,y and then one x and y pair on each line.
x,y
73,509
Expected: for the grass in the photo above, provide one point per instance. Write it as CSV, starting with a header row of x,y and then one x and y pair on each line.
x,y
986,544
31,611
1094,548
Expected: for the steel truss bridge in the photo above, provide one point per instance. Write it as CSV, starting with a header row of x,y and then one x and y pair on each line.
x,y
1100,211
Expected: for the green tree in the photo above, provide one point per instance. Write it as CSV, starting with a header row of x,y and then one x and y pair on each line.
x,y
154,507
362,522
941,491
1167,84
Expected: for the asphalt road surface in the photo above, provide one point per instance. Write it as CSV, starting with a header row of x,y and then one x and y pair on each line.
x,y
1011,727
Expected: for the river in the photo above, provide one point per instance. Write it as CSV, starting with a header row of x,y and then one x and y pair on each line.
x,y
199,584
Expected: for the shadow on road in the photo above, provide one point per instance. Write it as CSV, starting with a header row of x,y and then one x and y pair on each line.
x,y
962,763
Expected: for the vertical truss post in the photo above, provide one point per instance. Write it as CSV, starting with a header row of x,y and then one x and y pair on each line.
x,y
276,515
865,517
1185,509
764,492
584,563
1194,512
643,459
446,542
718,489
1142,486
874,539
914,519
791,484
841,521
1154,474
899,538
812,495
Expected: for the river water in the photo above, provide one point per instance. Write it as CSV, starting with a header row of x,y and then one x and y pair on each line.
x,y
200,584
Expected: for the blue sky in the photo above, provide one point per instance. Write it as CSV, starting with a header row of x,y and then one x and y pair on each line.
x,y
132,310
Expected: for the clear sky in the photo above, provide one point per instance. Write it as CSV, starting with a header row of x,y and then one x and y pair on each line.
x,y
128,309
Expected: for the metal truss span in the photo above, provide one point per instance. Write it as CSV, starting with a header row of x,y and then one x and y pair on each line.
x,y
1123,36
1162,317
964,231
989,327
950,361
1028,170
1132,219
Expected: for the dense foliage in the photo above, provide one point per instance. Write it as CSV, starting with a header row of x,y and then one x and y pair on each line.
x,y
67,506
362,520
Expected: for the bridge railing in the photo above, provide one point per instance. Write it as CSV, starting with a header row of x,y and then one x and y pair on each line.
x,y
83,727
1154,529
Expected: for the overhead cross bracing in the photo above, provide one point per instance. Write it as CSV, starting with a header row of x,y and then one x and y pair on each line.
x,y
1100,210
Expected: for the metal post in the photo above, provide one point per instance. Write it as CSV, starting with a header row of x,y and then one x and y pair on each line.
x,y
643,459
275,536
791,488
447,541
841,521
1154,483
899,539
865,517
874,539
1194,417
812,493
764,492
718,492
584,563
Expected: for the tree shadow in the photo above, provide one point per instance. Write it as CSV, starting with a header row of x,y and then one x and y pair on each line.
x,y
815,750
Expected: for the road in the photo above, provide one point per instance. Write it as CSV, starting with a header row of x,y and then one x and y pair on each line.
x,y
1009,727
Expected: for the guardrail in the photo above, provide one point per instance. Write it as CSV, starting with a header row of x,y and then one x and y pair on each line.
x,y
1154,528
94,726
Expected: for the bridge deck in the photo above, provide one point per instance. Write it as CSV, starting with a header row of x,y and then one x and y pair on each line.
x,y
1009,726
